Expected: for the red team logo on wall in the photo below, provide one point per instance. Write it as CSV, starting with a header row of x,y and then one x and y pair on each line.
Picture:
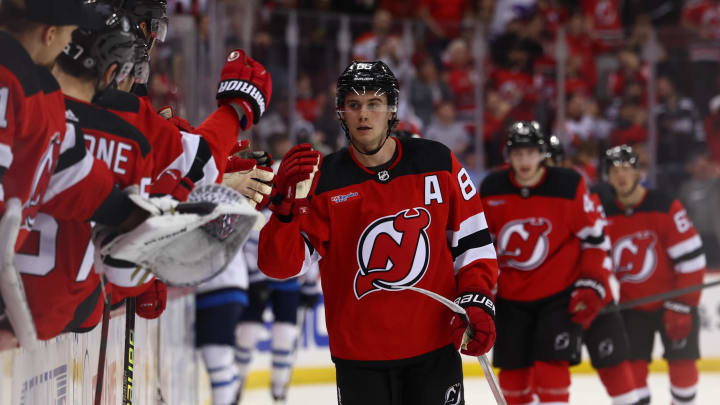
x,y
634,257
523,244
393,252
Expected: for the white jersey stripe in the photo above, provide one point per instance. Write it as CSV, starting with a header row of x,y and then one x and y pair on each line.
x,y
470,255
605,245
692,265
469,226
595,230
6,155
684,247
183,163
68,177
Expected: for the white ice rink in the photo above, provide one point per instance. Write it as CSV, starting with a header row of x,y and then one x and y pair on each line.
x,y
586,390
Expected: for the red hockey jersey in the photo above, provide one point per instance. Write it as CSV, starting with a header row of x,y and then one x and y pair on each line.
x,y
32,127
418,223
56,262
547,236
655,248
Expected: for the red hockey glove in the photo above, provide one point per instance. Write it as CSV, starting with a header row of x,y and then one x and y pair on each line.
x,y
246,84
677,320
168,113
151,303
480,309
586,301
295,179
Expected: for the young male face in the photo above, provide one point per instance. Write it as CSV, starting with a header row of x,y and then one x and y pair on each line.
x,y
366,116
525,162
623,178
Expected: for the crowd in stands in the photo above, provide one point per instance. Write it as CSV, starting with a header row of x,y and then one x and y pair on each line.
x,y
431,46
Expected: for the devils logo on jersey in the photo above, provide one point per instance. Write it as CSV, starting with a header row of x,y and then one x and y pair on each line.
x,y
393,252
523,244
634,257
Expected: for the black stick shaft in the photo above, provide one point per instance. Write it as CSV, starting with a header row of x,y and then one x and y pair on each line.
x,y
129,361
658,297
103,350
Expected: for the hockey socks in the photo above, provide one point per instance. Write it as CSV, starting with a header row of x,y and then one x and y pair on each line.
x,y
619,383
683,381
517,385
640,372
223,373
246,335
552,382
284,343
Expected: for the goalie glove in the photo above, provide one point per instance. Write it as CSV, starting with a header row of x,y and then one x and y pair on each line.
x,y
183,244
294,181
477,338
246,86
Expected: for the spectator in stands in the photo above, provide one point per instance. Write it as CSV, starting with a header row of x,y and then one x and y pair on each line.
x,y
445,129
442,17
496,121
605,24
583,122
366,45
307,104
703,18
582,46
512,76
701,196
459,75
679,126
629,115
631,70
427,90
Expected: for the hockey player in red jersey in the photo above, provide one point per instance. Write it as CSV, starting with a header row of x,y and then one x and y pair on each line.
x,y
385,214
552,283
32,112
655,248
606,339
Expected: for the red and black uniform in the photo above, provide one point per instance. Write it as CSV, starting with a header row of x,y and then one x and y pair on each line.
x,y
32,129
138,146
549,241
655,249
56,261
416,221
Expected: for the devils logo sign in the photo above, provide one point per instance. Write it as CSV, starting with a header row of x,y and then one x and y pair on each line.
x,y
523,244
393,252
634,257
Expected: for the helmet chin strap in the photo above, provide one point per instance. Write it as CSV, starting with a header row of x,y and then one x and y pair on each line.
x,y
391,123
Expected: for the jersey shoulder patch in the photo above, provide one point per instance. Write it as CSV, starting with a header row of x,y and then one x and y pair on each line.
x,y
18,62
656,201
117,100
426,155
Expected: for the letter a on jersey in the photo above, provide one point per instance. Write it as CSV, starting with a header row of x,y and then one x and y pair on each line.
x,y
393,252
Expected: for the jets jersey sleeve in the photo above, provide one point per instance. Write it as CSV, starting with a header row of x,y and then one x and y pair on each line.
x,y
684,248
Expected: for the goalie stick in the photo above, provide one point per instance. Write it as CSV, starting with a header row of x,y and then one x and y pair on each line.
x,y
11,285
658,297
484,363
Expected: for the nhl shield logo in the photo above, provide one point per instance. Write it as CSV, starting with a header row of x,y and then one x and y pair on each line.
x,y
393,252
524,244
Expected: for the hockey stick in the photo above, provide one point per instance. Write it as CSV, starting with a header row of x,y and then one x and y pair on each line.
x,y
484,363
11,285
658,297
129,351
103,349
